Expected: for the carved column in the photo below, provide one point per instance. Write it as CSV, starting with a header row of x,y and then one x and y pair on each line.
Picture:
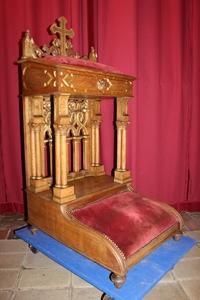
x,y
122,175
76,153
51,157
61,159
68,155
48,147
96,167
86,160
38,182
61,191
95,143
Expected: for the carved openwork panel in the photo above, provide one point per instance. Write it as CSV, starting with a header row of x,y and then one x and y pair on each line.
x,y
47,117
78,109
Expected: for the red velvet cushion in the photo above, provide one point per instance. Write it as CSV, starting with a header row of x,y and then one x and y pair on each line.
x,y
127,219
63,59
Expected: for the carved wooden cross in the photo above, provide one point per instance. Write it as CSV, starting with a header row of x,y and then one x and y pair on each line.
x,y
62,32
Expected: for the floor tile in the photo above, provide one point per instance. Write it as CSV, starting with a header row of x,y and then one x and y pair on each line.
x,y
38,261
43,278
193,253
167,278
191,288
190,222
4,233
78,282
8,278
12,220
10,261
171,291
6,295
194,234
63,294
86,294
11,246
187,269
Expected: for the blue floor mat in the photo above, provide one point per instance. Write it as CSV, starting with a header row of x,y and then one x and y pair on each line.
x,y
140,279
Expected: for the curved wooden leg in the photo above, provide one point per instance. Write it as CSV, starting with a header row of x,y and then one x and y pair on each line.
x,y
177,236
118,280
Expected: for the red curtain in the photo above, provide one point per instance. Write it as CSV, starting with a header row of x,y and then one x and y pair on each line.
x,y
158,41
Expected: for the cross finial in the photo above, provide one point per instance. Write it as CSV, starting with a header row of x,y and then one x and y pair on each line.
x,y
63,33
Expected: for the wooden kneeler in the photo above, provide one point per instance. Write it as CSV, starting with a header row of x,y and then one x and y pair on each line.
x,y
69,196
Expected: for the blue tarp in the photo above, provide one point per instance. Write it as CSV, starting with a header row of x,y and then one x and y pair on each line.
x,y
140,279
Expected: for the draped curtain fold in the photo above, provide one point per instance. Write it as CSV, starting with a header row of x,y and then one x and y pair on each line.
x,y
158,41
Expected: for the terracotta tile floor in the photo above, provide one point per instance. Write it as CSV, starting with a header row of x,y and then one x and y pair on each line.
x,y
8,223
26,276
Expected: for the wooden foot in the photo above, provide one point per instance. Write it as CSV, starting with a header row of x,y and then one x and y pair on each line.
x,y
118,280
177,236
33,229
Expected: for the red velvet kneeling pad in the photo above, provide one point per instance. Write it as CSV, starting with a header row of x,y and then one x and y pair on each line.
x,y
127,219
66,60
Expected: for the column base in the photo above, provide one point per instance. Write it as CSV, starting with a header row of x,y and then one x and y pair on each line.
x,y
63,195
122,176
39,185
97,170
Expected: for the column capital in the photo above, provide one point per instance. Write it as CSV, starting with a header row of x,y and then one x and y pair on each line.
x,y
61,124
122,124
96,122
60,129
76,138
37,122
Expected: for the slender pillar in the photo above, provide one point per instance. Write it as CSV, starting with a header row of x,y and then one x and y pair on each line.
x,y
63,159
38,153
76,153
33,155
47,166
68,140
44,160
96,167
95,143
38,182
28,137
57,159
123,155
85,153
51,157
122,175
62,192
119,147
